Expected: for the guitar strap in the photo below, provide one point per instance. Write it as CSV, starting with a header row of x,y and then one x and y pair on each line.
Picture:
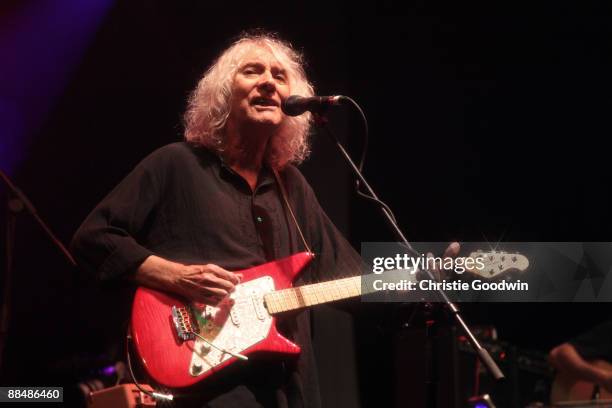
x,y
289,210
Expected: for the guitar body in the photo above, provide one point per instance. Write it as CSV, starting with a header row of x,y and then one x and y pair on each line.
x,y
569,389
241,325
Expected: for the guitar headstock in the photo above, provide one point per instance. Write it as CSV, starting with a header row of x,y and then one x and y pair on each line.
x,y
497,263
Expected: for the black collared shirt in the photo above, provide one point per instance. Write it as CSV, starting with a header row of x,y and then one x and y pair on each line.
x,y
183,204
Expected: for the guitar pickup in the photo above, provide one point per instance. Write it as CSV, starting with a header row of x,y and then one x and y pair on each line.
x,y
259,307
185,323
235,316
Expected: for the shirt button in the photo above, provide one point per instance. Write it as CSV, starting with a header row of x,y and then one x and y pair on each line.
x,y
259,219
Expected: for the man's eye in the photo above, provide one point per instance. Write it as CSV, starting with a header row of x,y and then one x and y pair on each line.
x,y
280,77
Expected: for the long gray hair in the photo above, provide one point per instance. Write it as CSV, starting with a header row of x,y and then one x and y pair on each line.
x,y
209,103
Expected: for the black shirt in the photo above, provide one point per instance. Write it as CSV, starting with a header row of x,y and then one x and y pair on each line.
x,y
183,204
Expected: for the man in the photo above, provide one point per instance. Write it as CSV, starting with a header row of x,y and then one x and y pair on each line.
x,y
191,213
586,358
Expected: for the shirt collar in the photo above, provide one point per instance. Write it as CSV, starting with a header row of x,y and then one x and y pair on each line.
x,y
266,176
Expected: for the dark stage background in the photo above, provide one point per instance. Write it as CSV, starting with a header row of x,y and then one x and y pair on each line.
x,y
487,123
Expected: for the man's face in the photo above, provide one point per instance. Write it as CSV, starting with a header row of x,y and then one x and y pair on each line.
x,y
260,85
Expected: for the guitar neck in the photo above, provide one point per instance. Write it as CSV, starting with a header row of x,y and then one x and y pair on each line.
x,y
309,295
494,264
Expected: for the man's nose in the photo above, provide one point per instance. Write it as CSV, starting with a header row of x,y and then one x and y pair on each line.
x,y
267,81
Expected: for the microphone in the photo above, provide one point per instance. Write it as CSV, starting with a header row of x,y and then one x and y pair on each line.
x,y
296,105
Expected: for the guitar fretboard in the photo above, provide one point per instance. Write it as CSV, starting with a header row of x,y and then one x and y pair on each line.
x,y
310,295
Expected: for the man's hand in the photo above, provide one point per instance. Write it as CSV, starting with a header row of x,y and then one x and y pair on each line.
x,y
208,284
451,252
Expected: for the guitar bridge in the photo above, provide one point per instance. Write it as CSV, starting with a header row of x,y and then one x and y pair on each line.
x,y
185,323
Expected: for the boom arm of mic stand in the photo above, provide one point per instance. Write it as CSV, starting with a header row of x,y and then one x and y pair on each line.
x,y
32,210
482,353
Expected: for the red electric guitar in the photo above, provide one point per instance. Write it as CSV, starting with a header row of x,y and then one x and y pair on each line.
x,y
180,344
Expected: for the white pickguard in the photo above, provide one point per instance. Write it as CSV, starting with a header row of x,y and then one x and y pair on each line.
x,y
232,328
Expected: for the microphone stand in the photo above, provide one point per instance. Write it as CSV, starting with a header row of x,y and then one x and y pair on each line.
x,y
482,353
16,203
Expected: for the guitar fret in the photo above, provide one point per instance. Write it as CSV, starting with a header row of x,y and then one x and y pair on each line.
x,y
310,296
321,294
290,299
297,297
344,290
338,294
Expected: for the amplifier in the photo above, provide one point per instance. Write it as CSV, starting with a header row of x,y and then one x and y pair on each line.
x,y
121,396
461,376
